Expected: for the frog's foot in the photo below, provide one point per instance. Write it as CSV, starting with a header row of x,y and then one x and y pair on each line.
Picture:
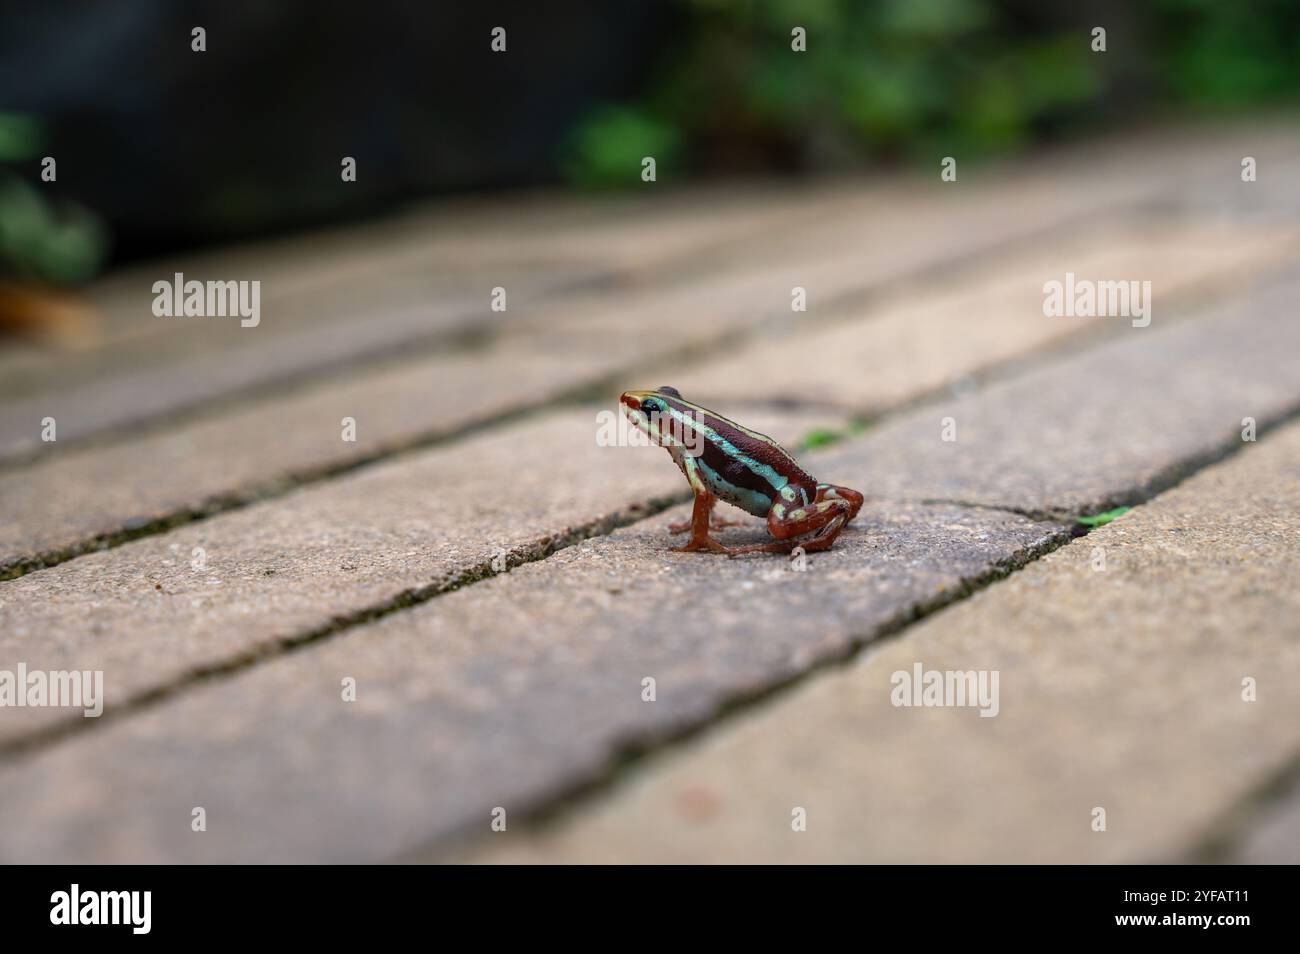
x,y
716,523
784,546
703,544
699,527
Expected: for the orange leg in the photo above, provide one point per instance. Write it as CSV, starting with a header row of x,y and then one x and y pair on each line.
x,y
715,523
699,526
824,518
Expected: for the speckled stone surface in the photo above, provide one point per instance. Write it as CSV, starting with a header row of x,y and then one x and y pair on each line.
x,y
147,613
496,695
518,690
56,503
889,350
1120,688
934,335
1101,427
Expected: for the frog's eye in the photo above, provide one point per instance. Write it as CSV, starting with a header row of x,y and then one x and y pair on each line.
x,y
650,406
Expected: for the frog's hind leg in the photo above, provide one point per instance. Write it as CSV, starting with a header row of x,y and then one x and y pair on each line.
x,y
823,519
834,491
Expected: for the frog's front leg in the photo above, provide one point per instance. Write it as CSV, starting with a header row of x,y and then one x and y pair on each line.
x,y
824,518
715,523
704,503
699,526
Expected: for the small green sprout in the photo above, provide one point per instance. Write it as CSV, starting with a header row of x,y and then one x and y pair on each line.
x,y
1101,519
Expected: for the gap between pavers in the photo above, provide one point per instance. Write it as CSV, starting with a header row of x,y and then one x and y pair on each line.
x,y
1121,660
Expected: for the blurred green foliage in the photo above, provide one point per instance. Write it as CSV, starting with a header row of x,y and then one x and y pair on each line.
x,y
1232,54
20,137
601,146
825,436
915,79
40,240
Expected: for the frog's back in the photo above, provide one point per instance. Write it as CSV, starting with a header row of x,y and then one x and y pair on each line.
x,y
739,465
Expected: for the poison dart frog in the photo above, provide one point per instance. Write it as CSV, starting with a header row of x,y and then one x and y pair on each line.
x,y
724,461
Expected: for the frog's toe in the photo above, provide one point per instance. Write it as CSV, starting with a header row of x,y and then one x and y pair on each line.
x,y
698,544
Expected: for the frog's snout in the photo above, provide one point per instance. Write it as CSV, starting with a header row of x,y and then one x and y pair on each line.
x,y
630,400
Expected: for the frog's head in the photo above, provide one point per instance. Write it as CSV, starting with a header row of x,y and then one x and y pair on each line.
x,y
651,413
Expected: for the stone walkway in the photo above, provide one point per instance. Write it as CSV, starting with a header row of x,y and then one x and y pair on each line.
x,y
201,533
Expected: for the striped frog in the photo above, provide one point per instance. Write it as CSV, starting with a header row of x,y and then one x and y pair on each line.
x,y
724,461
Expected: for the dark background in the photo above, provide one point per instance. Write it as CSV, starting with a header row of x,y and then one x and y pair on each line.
x,y
161,148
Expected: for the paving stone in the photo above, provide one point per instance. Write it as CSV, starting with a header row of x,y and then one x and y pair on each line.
x,y
1271,836
1104,427
207,360
272,571
496,695
930,336
59,504
1120,688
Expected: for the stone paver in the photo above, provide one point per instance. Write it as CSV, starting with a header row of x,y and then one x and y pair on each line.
x,y
1120,688
58,504
207,360
272,571
936,335
498,694
1271,836
1100,428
